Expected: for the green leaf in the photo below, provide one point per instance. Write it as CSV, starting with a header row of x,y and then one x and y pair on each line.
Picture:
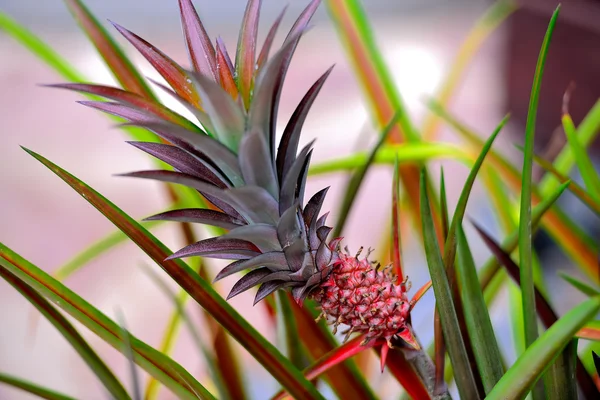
x,y
39,48
528,368
560,380
569,236
405,153
579,285
203,293
584,163
357,178
445,303
586,133
477,317
113,56
573,186
155,363
109,380
525,254
32,388
288,330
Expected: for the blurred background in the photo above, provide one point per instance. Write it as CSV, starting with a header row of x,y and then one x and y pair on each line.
x,y
46,222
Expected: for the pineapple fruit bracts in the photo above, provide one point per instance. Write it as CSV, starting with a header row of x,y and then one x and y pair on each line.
x,y
229,156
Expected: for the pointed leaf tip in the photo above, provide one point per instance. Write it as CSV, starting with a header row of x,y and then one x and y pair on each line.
x,y
198,43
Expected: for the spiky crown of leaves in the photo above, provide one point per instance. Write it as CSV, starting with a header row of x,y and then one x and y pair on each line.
x,y
232,160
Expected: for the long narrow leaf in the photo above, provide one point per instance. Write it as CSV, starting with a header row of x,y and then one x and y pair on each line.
x,y
155,363
477,317
586,167
32,388
587,131
199,290
543,308
443,294
40,48
525,233
404,153
115,59
288,329
79,344
570,237
521,377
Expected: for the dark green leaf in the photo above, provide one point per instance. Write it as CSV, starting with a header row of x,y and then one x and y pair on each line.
x,y
443,294
33,388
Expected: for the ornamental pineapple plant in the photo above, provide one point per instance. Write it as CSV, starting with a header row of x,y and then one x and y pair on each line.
x,y
276,238
255,185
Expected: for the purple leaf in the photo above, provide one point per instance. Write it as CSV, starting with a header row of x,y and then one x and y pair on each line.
x,y
131,99
272,260
267,288
287,196
225,70
113,56
255,163
172,72
248,281
246,50
288,146
198,43
266,48
263,236
257,203
225,115
200,144
228,249
199,216
183,161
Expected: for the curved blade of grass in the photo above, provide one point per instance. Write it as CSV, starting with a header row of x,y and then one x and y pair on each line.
x,y
355,32
79,344
288,330
528,368
571,238
477,317
121,67
387,154
32,388
357,178
584,163
39,48
345,379
573,186
485,25
95,250
543,308
525,253
586,132
155,363
263,351
445,303
579,285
